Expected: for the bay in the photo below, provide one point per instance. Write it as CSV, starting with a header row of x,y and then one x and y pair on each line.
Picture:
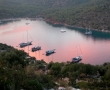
x,y
94,48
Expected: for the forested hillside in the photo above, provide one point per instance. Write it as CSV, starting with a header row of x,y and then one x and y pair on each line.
x,y
80,13
17,72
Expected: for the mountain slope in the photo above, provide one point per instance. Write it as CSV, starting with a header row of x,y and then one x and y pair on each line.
x,y
80,13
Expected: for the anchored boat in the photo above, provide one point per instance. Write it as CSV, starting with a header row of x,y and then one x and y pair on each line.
x,y
36,48
78,58
49,52
88,32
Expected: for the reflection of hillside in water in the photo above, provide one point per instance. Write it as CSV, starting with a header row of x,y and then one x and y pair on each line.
x,y
4,22
96,35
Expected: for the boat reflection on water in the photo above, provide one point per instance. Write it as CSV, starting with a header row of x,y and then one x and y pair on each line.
x,y
50,54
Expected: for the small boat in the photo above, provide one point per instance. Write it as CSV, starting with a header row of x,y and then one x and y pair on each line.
x,y
77,59
36,48
25,44
27,23
62,30
49,52
88,32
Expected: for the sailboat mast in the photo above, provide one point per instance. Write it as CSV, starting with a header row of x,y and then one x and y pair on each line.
x,y
27,36
86,29
23,40
38,42
27,42
89,28
77,50
80,49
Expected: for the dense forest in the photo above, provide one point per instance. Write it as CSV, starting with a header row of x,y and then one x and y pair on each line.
x,y
19,71
79,13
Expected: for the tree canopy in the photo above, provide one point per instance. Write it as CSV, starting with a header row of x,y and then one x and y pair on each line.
x,y
80,13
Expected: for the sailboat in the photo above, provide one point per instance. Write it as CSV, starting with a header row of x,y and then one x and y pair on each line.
x,y
77,59
63,30
88,32
27,23
49,52
24,44
36,48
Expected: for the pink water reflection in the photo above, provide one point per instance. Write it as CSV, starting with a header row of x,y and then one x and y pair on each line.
x,y
16,30
4,27
92,51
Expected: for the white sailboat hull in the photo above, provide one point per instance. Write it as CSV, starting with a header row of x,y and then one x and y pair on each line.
x,y
77,59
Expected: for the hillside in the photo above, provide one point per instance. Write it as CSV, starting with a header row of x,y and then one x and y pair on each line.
x,y
80,13
20,73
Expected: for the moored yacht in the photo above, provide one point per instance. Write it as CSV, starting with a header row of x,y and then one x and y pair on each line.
x,y
88,32
77,59
27,23
62,30
36,48
25,44
49,52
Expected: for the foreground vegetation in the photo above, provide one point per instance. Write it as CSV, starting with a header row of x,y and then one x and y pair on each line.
x,y
80,13
18,71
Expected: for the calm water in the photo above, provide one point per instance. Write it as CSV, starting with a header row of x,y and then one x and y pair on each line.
x,y
94,48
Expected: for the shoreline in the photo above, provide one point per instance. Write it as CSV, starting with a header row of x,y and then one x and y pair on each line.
x,y
59,24
53,23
